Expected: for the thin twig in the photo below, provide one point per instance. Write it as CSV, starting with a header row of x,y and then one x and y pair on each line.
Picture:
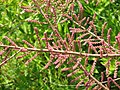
x,y
92,77
63,52
93,34
10,57
61,85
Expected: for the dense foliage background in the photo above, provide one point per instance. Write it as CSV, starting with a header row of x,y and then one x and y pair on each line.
x,y
13,23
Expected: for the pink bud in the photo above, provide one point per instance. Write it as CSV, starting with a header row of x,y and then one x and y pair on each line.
x,y
1,52
23,50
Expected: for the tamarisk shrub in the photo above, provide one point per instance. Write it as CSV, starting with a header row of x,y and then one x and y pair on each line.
x,y
81,49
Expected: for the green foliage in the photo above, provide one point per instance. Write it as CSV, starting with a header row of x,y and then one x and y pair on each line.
x,y
13,23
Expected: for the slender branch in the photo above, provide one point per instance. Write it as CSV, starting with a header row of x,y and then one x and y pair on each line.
x,y
10,57
41,11
81,84
99,83
93,34
92,77
63,52
51,25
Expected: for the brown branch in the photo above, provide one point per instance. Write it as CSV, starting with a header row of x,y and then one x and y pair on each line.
x,y
92,77
63,52
93,34
53,28
10,57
